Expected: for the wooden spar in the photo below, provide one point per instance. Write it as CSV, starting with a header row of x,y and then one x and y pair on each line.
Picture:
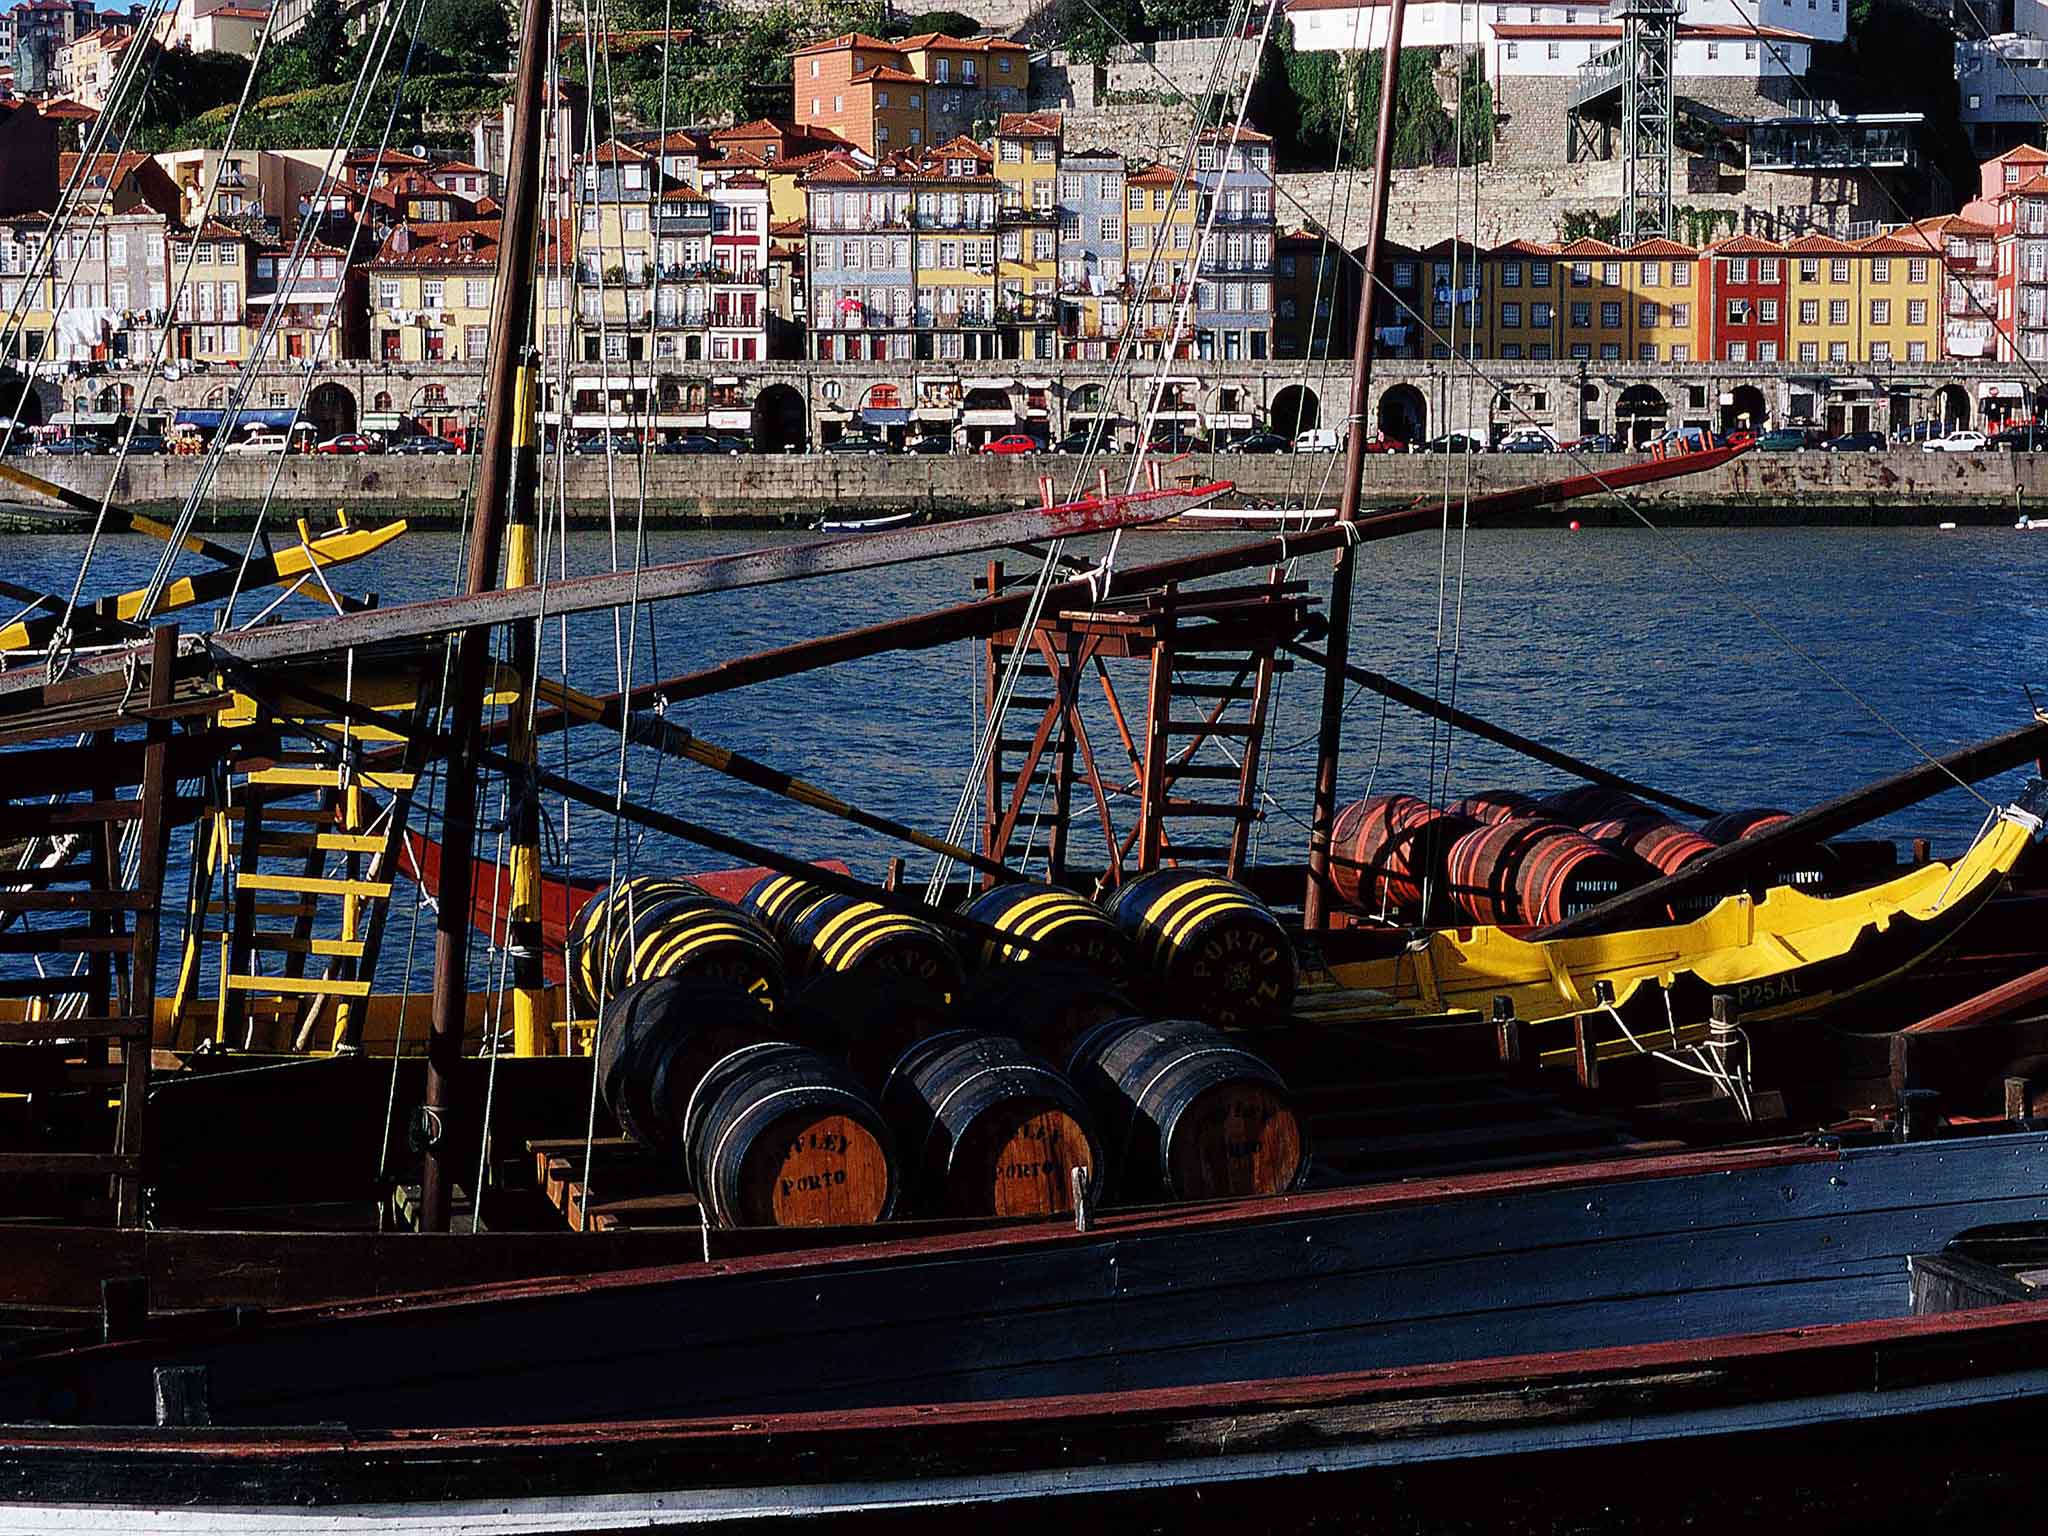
x,y
1330,730
119,518
717,573
2024,991
976,620
1487,731
511,320
326,552
532,1031
657,732
1743,857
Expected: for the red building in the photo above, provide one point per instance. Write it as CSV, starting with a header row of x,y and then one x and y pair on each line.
x,y
1747,313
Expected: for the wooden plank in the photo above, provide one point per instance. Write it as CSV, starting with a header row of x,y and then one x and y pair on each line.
x,y
330,778
119,1027
313,842
79,901
310,885
263,909
65,941
311,986
292,944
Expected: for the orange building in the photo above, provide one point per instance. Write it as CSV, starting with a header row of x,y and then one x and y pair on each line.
x,y
862,89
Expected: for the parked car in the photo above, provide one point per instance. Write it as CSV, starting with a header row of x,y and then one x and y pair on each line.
x,y
148,442
1453,442
857,442
2028,439
1174,443
257,443
1685,440
1381,443
597,442
1597,442
1787,440
1259,442
1533,440
423,444
346,442
1856,442
1325,440
1967,441
929,445
1013,442
70,447
1738,437
693,442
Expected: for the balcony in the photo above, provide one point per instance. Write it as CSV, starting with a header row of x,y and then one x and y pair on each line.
x,y
1022,213
952,221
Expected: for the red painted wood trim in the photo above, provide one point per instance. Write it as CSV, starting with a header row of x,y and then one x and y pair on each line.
x,y
2008,997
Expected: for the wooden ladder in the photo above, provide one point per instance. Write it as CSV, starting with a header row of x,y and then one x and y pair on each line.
x,y
117,939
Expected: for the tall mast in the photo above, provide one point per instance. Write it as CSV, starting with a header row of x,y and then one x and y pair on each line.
x,y
1329,739
504,401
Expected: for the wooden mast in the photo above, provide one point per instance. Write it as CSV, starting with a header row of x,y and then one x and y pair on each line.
x,y
511,322
1329,739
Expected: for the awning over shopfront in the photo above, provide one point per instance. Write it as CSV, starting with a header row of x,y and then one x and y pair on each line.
x,y
885,415
2001,389
211,421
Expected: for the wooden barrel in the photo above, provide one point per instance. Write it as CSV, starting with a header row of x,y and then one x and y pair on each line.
x,y
1047,1006
1665,845
1187,1113
1054,925
779,900
692,931
866,1019
1528,871
1385,849
1211,947
777,1135
668,1030
987,1128
1491,805
845,933
1591,802
1730,825
600,929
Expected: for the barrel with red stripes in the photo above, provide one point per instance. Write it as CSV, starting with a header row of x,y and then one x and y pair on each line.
x,y
1730,825
1385,850
1665,845
1528,871
1584,803
1491,805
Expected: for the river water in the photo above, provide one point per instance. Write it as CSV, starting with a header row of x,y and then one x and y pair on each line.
x,y
1734,666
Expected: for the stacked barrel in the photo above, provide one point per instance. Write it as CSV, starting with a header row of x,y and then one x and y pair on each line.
x,y
1509,858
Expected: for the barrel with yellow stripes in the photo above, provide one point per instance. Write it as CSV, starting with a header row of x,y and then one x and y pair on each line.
x,y
600,929
692,932
855,936
779,900
1211,947
1052,926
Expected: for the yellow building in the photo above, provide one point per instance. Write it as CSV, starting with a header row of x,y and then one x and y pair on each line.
x,y
1596,302
430,293
1027,232
953,212
24,296
1454,286
1523,279
1160,225
1873,301
209,323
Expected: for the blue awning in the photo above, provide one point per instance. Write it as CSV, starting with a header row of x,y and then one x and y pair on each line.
x,y
248,416
885,415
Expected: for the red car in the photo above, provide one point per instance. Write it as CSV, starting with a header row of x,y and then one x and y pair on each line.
x,y
1014,442
1741,437
1385,444
347,442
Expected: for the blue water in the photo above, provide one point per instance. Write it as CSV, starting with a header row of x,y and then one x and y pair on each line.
x,y
1719,664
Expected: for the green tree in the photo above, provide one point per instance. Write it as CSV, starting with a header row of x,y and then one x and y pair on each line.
x,y
179,83
1091,29
947,23
465,35
324,41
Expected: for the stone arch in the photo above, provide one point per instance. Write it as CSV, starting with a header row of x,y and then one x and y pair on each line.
x,y
1641,414
20,401
1296,409
1952,406
332,409
779,419
217,398
1745,409
1403,414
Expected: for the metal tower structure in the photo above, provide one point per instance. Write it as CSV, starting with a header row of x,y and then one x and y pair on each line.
x,y
1637,70
1648,107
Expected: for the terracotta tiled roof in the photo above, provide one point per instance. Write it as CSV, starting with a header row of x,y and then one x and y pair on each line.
x,y
1154,175
960,44
886,76
441,245
2026,152
1522,247
106,169
837,168
1237,136
1029,125
1818,245
847,40
1586,246
66,110
1744,245
1644,250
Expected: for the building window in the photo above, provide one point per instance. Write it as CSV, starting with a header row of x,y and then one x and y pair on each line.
x,y
1738,311
1514,50
1916,351
1713,50
1809,313
1767,351
1916,311
1539,274
1610,351
1581,351
1647,315
1767,311
1738,269
1610,274
1880,351
1551,50
1681,353
1511,275
1916,270
1681,274
1809,351
1582,316
1511,316
1838,311
1581,274
1838,270
1881,270
1738,351
1653,274
1838,351
1767,270
1809,269
1539,315
1880,311
1610,316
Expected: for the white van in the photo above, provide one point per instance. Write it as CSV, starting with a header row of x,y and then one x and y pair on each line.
x,y
1317,440
265,441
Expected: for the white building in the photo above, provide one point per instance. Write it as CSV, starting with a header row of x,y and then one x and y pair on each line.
x,y
1699,52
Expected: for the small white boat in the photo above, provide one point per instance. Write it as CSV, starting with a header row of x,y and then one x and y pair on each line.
x,y
2032,524
1273,519
830,524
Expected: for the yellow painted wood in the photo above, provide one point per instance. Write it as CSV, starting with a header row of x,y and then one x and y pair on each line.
x,y
269,908
299,985
307,842
328,778
285,943
312,885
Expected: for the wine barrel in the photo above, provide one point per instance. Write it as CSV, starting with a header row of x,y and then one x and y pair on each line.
x,y
1665,845
669,1030
1527,871
1187,1113
1592,802
1386,849
866,1019
776,1135
779,900
696,932
600,929
1491,805
1047,1006
987,1128
1052,925
1730,825
846,933
1210,945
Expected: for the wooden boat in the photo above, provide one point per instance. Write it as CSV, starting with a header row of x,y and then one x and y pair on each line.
x,y
833,524
1754,1308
